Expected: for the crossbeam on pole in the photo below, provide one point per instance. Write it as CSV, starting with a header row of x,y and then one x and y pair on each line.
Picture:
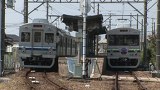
x,y
78,1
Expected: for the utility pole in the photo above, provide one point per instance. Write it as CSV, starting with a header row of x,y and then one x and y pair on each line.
x,y
84,73
142,37
85,9
137,21
1,37
158,37
110,21
146,62
130,19
97,35
2,34
47,2
25,11
153,27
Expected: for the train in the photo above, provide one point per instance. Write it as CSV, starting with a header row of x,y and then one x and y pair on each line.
x,y
123,48
41,44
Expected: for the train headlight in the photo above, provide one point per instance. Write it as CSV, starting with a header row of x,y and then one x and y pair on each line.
x,y
23,50
50,50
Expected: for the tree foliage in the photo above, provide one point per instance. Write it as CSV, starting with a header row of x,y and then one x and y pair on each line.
x,y
152,48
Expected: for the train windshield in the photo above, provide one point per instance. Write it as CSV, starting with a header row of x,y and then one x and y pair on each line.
x,y
25,37
49,37
37,37
123,40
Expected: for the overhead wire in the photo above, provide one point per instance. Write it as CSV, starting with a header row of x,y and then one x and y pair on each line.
x,y
18,11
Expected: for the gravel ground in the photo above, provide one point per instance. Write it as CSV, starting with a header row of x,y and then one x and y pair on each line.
x,y
17,82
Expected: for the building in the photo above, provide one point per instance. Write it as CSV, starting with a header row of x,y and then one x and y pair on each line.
x,y
102,47
11,60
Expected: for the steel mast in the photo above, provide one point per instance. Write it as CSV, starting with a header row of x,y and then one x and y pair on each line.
x,y
85,8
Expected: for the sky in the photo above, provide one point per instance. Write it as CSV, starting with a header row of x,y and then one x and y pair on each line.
x,y
15,19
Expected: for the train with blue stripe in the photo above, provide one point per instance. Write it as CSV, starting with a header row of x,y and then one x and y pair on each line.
x,y
123,48
41,44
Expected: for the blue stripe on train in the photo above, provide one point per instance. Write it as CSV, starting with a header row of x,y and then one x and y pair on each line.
x,y
36,48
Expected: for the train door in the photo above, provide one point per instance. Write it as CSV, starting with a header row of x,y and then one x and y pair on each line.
x,y
37,40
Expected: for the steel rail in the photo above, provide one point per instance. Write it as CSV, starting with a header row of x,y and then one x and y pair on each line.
x,y
116,85
138,82
53,83
28,81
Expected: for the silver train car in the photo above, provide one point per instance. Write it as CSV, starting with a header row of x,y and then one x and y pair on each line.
x,y
41,44
123,48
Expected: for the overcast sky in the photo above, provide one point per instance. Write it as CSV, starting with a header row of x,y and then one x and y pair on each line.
x,y
14,19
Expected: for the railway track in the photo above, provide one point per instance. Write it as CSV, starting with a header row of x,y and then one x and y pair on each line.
x,y
27,80
57,85
116,83
45,81
141,87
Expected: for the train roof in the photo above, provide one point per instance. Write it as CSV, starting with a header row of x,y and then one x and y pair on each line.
x,y
40,21
120,28
45,22
37,21
123,31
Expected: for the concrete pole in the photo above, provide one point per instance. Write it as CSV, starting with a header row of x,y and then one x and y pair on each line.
x,y
142,35
152,27
158,37
146,63
137,21
110,21
2,34
130,19
97,35
47,9
1,37
84,73
25,11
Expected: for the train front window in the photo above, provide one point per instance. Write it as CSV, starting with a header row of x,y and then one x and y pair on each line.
x,y
25,37
123,40
49,37
37,37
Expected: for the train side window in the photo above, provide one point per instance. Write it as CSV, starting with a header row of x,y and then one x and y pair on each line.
x,y
25,37
49,37
37,37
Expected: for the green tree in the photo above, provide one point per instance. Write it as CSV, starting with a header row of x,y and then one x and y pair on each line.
x,y
152,48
